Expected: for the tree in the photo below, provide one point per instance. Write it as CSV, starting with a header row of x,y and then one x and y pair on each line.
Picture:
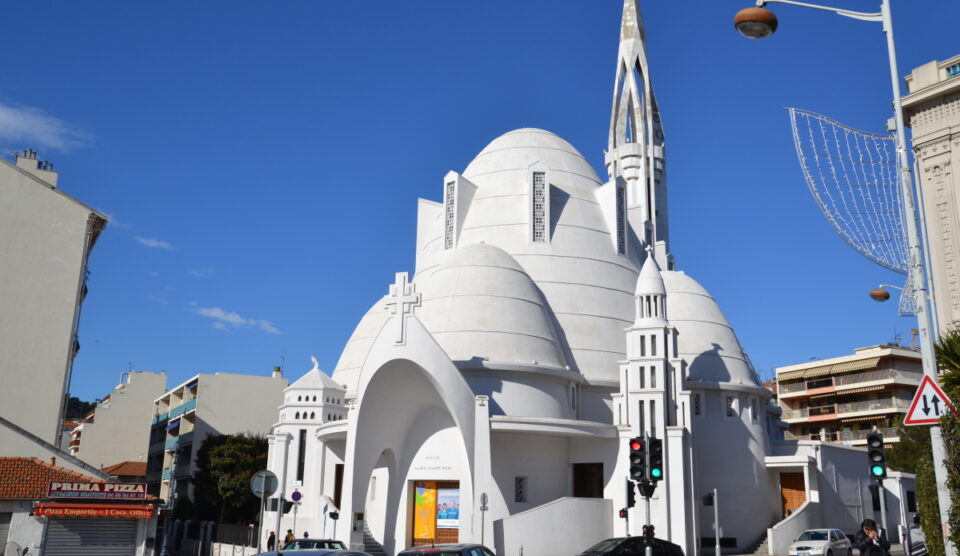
x,y
225,464
77,409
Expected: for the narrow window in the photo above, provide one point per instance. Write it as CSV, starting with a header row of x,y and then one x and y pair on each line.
x,y
373,487
642,417
313,415
450,216
301,454
653,418
641,374
520,490
643,346
621,221
539,207
653,377
731,409
653,345
753,410
697,405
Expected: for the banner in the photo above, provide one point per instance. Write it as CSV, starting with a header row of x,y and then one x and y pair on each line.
x,y
113,491
448,508
93,510
425,510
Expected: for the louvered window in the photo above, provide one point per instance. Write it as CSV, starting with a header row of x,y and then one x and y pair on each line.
x,y
539,206
621,221
450,216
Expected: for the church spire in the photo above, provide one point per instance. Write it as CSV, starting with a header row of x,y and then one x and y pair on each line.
x,y
635,146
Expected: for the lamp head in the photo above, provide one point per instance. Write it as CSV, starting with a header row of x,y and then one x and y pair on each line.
x,y
879,294
755,23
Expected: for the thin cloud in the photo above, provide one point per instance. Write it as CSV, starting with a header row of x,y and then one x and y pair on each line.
x,y
201,272
32,127
153,243
229,320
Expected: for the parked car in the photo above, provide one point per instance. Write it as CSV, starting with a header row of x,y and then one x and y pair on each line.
x,y
632,546
460,549
314,552
828,542
300,544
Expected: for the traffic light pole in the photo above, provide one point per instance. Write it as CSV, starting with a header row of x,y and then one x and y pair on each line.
x,y
882,493
716,522
646,503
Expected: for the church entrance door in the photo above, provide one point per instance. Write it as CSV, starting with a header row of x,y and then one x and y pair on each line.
x,y
436,512
793,492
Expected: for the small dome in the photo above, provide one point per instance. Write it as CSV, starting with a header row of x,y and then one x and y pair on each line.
x,y
706,341
649,281
479,303
518,149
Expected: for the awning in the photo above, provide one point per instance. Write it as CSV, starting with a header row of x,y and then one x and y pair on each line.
x,y
173,424
819,371
863,389
865,418
790,375
119,511
860,365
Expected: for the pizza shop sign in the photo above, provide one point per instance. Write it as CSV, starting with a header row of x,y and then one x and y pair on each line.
x,y
112,491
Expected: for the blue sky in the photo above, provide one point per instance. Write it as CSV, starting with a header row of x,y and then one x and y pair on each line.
x,y
261,162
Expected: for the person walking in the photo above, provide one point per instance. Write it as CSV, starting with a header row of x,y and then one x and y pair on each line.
x,y
872,540
289,537
272,541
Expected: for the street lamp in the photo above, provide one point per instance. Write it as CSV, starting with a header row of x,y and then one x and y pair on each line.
x,y
758,22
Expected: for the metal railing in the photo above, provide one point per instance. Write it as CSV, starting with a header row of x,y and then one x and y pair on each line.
x,y
851,378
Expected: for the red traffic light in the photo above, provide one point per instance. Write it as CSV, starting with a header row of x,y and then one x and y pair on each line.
x,y
636,445
623,514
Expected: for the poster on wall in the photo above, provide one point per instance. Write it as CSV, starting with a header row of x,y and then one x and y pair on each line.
x,y
425,510
448,508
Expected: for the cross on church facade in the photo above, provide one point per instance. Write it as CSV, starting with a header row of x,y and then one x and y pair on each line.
x,y
401,300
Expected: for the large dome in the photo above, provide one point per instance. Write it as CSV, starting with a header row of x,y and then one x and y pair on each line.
x,y
518,149
706,340
479,304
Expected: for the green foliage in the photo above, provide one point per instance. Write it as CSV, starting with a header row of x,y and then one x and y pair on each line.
x,y
906,454
926,496
77,409
225,464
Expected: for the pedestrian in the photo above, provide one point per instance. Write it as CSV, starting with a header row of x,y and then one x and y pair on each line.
x,y
272,541
306,535
872,540
289,538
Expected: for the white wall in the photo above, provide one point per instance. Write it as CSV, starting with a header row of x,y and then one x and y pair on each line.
x,y
549,530
43,235
25,530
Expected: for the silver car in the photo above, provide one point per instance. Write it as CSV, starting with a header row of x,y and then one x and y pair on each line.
x,y
821,542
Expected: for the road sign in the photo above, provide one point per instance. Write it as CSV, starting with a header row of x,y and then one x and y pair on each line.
x,y
928,405
264,483
296,496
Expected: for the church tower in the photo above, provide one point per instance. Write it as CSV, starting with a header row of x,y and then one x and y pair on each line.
x,y
635,147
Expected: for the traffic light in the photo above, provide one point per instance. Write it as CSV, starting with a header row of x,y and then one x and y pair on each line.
x,y
648,532
631,494
638,459
623,513
875,455
656,459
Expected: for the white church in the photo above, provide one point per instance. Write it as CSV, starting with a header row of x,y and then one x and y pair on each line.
x,y
491,397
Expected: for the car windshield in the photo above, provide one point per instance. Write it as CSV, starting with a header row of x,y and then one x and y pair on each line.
x,y
604,546
813,536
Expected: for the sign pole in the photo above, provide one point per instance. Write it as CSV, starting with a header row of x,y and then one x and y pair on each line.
x,y
716,522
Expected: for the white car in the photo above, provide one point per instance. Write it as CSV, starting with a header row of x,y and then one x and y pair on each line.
x,y
826,542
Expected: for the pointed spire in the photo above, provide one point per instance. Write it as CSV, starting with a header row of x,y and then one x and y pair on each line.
x,y
635,148
650,281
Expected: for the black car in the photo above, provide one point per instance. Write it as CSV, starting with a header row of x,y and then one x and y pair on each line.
x,y
632,546
448,550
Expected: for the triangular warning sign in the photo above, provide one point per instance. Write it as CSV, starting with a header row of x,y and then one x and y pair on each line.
x,y
928,405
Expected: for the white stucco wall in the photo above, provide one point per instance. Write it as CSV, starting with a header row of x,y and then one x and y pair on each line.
x,y
44,250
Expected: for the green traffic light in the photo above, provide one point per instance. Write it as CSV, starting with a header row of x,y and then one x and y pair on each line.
x,y
877,470
656,472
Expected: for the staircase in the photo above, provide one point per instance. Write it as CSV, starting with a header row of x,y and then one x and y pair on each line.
x,y
370,544
760,549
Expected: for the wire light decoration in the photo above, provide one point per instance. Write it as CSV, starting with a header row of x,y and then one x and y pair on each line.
x,y
852,176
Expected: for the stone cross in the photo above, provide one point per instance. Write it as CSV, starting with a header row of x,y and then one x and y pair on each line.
x,y
400,302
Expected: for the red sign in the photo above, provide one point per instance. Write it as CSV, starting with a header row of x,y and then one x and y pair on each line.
x,y
929,404
112,491
93,510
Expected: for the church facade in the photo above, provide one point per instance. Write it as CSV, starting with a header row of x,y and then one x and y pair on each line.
x,y
491,397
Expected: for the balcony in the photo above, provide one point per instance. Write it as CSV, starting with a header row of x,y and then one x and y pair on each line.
x,y
159,418
165,475
822,384
839,409
177,442
183,408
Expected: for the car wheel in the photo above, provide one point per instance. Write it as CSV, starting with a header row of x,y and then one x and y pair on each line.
x,y
829,553
849,552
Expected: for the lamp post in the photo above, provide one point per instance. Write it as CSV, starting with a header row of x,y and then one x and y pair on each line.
x,y
757,23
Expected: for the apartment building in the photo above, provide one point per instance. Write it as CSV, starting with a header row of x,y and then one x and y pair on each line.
x,y
207,404
118,427
843,398
932,110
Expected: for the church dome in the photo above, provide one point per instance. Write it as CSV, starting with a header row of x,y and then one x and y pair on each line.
x,y
706,341
518,149
480,304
